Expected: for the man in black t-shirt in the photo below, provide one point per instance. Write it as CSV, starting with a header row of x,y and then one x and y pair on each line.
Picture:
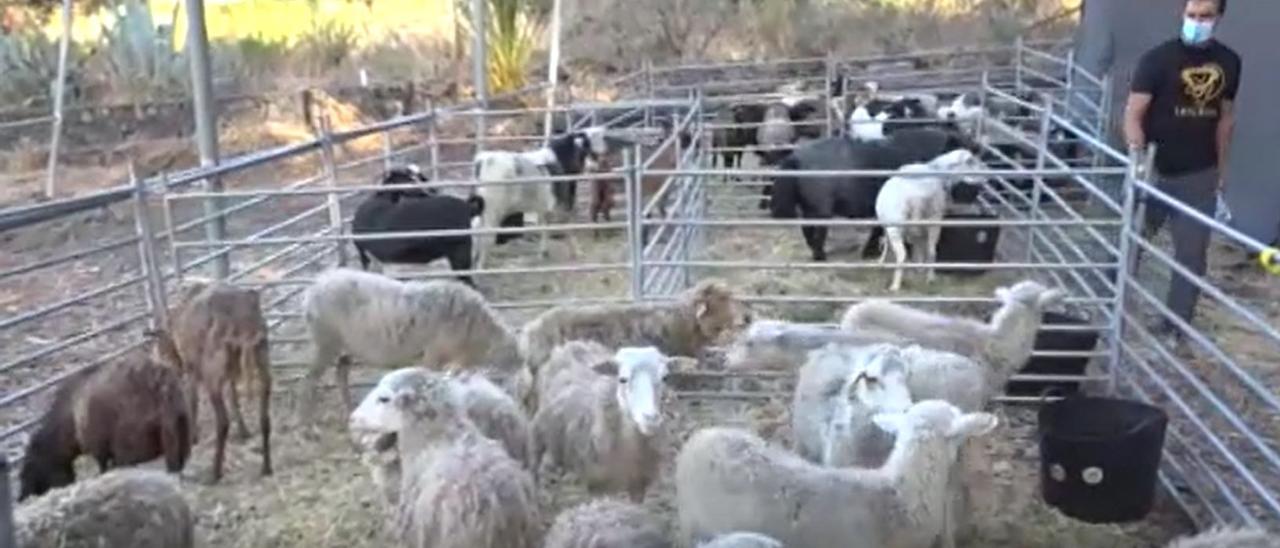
x,y
1182,99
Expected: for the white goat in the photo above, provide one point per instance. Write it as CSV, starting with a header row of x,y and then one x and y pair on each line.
x,y
459,489
602,421
864,127
910,196
384,322
728,479
962,113
567,154
837,392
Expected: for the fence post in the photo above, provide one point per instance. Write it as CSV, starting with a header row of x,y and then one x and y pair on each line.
x,y
59,100
631,162
7,538
830,70
331,179
1018,58
433,140
980,126
1123,270
150,264
1037,182
648,93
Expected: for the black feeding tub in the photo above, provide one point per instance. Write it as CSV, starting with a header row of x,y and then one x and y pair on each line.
x,y
968,244
1057,341
1099,457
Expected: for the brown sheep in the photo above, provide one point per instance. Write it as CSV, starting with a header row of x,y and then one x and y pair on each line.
x,y
216,334
123,414
602,190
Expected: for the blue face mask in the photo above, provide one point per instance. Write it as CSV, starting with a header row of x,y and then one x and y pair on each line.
x,y
1196,33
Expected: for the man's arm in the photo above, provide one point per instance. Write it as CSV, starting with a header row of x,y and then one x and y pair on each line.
x,y
1135,111
1226,123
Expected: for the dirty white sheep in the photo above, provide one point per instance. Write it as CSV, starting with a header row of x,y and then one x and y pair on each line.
x,y
838,390
742,539
603,419
1228,537
132,507
607,523
697,318
459,489
783,346
1005,343
387,323
729,479
490,409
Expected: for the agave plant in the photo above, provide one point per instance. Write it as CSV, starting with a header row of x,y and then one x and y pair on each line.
x,y
514,30
140,55
28,61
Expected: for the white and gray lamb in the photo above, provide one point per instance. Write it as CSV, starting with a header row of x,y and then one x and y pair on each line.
x,y
729,479
742,539
388,323
1005,343
494,413
603,420
607,523
132,507
459,489
683,327
1228,537
838,391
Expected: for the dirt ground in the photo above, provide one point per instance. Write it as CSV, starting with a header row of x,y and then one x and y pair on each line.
x,y
321,495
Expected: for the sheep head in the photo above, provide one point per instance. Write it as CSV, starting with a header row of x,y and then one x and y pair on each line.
x,y
163,348
932,419
1030,293
408,396
641,373
960,159
876,383
716,310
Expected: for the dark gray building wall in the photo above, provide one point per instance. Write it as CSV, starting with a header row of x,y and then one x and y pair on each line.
x,y
1113,34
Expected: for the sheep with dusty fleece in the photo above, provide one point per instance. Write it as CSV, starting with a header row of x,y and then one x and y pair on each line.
x,y
122,414
914,195
566,154
388,323
782,345
1228,537
697,318
729,479
458,488
607,523
838,390
128,507
216,335
742,539
1003,344
601,419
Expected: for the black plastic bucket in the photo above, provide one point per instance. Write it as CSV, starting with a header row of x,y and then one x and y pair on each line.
x,y
968,244
1099,457
1058,341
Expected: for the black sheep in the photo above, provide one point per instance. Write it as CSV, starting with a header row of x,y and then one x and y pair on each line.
x,y
415,210
850,196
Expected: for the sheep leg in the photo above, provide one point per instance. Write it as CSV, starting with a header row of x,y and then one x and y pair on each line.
x,y
242,430
262,366
326,355
544,236
343,375
894,234
193,407
933,234
223,426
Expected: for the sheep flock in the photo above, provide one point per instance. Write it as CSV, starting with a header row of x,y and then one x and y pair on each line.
x,y
568,430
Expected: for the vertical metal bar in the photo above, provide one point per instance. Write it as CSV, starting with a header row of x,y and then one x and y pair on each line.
x,y
7,526
648,91
553,71
433,141
206,126
59,97
175,253
1037,182
150,264
830,79
331,179
980,126
1128,218
479,66
386,150
1018,59
631,159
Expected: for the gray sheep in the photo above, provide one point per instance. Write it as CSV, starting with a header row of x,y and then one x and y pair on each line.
x,y
742,539
607,523
459,489
729,479
126,507
384,322
1228,537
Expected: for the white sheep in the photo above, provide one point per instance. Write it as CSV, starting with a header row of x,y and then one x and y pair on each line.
x,y
909,196
132,507
488,407
1004,344
603,421
696,318
783,345
864,127
962,113
837,392
729,479
607,523
459,489
1228,537
388,323
742,539
567,154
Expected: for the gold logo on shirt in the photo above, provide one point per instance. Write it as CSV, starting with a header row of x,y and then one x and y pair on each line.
x,y
1203,84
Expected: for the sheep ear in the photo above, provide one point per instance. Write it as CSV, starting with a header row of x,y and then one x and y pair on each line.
x,y
889,422
607,367
1051,297
702,309
972,425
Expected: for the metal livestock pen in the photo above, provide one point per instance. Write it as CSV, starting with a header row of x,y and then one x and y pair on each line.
x,y
1219,464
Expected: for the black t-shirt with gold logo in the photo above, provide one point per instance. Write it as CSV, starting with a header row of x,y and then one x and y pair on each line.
x,y
1187,85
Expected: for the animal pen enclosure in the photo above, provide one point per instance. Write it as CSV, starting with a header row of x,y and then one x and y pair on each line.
x,y
72,305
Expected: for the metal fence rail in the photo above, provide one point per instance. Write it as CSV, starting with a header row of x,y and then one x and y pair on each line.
x,y
1057,217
